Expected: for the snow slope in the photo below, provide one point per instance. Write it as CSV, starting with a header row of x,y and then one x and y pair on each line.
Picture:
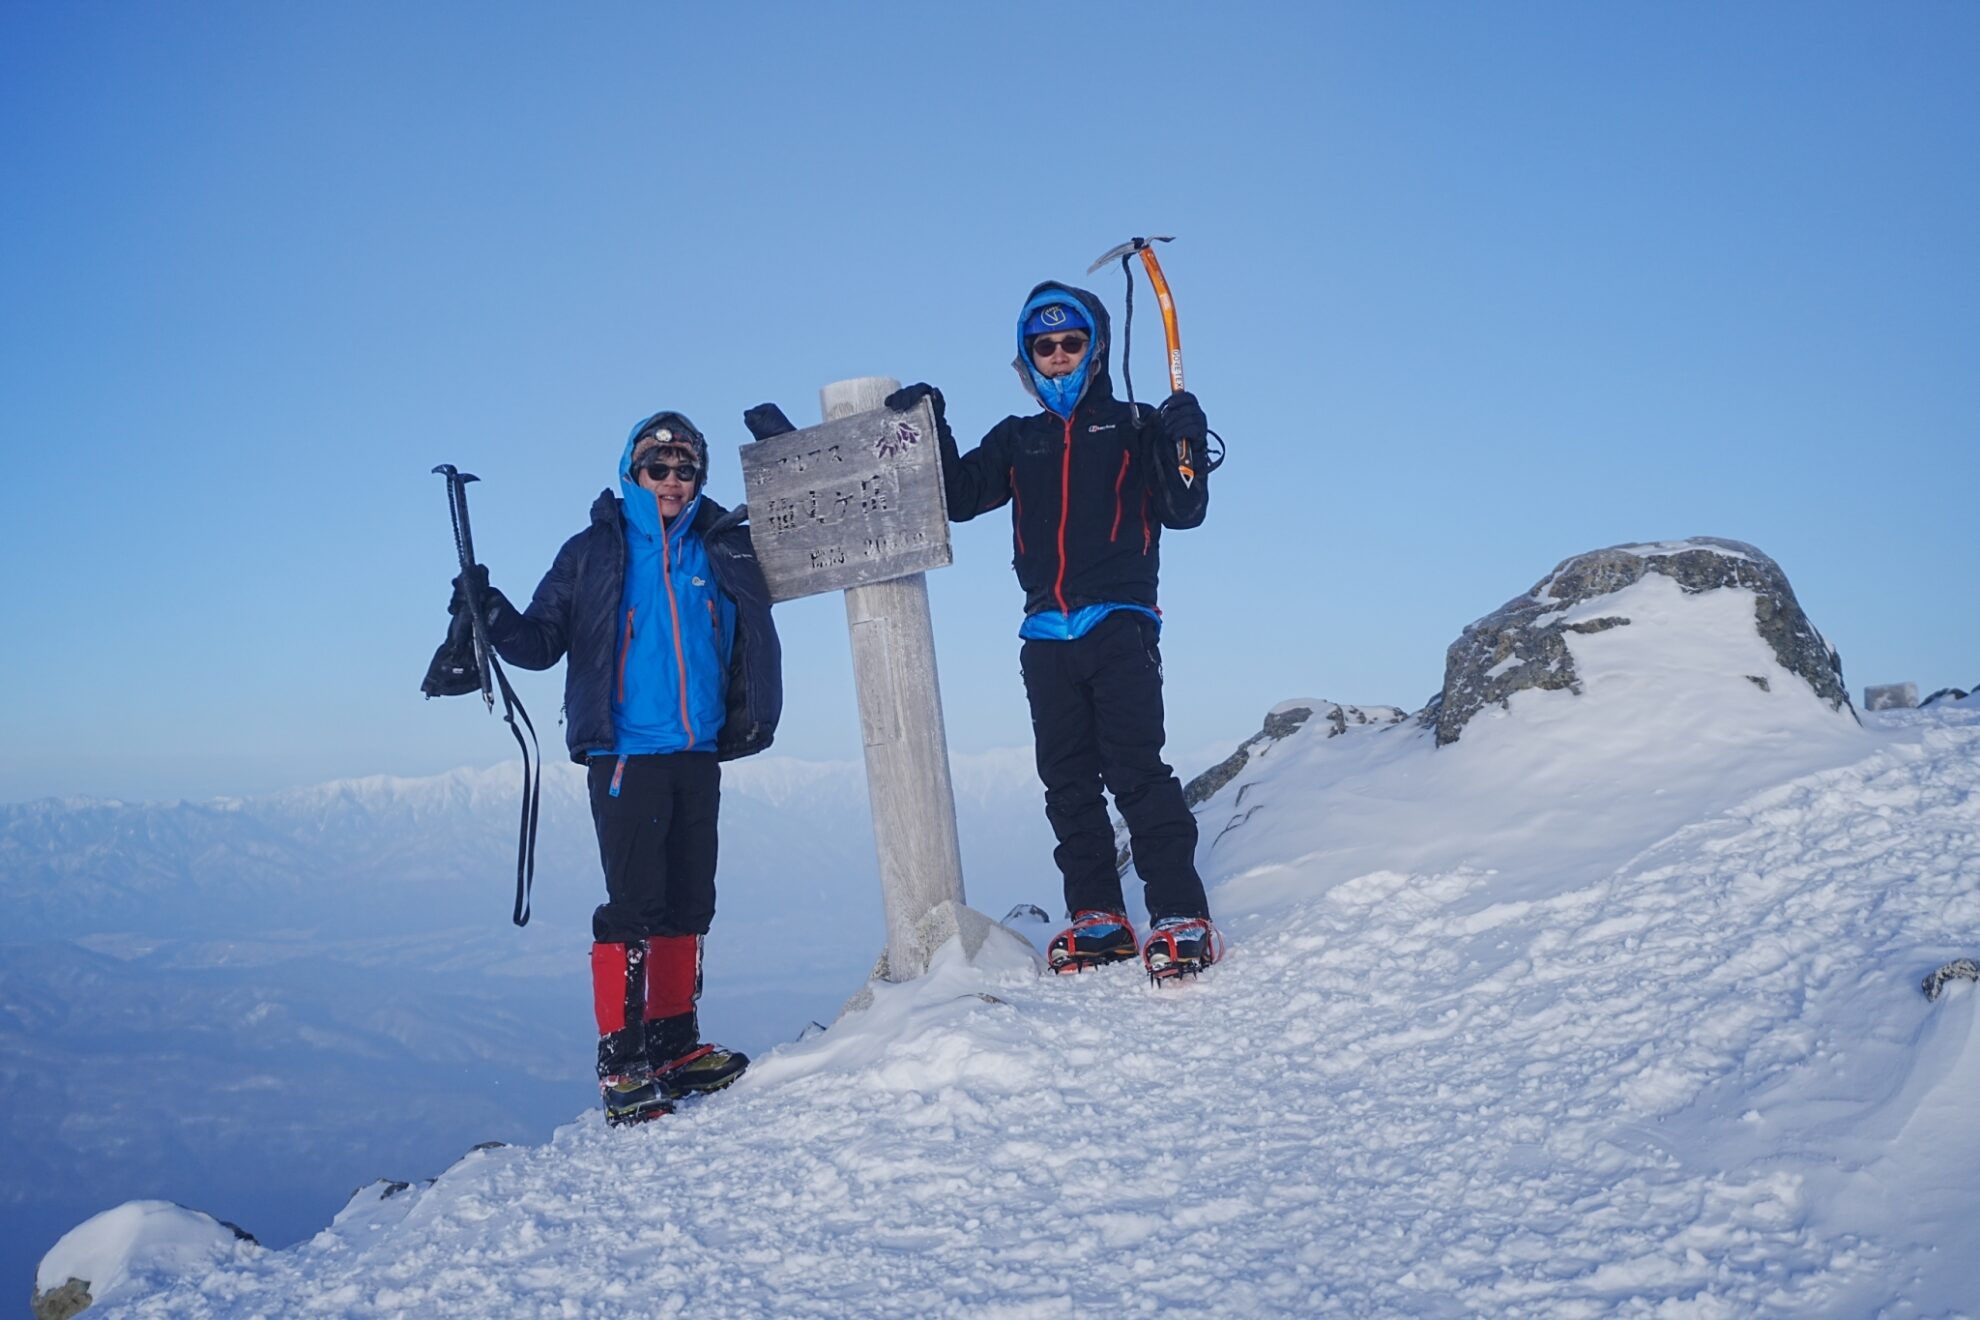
x,y
1610,1008
281,971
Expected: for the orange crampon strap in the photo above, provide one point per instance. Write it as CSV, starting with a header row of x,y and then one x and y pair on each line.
x,y
1086,919
682,1062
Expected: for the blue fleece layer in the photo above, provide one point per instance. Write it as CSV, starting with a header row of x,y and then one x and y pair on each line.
x,y
676,632
1054,626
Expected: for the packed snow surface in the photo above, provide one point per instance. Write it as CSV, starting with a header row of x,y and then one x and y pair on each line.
x,y
1611,1008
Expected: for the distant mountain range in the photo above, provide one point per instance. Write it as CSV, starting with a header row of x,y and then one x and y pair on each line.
x,y
354,857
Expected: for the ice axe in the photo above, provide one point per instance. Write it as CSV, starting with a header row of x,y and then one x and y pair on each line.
x,y
470,648
1144,248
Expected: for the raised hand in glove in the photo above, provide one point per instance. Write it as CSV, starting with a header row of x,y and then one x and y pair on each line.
x,y
1184,427
766,420
907,396
904,398
1182,418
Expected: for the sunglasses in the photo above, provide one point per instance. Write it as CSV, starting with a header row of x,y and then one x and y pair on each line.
x,y
659,471
1072,345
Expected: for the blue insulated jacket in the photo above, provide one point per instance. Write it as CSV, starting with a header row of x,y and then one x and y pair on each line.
x,y
670,639
669,685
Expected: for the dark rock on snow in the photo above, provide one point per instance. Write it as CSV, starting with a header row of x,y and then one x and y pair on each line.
x,y
1959,969
1522,644
72,1298
1282,721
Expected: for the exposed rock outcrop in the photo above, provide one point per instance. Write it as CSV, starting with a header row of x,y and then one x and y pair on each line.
x,y
1282,721
72,1298
1524,643
1959,969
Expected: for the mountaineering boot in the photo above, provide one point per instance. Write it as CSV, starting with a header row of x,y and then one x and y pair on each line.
x,y
683,1064
618,984
633,1097
1180,946
1093,940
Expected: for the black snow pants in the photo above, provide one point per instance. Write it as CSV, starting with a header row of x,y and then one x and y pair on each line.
x,y
656,840
656,820
1096,717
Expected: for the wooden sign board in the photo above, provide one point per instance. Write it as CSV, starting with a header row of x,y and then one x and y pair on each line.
x,y
854,501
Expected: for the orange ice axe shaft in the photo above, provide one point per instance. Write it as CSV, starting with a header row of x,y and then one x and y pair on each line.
x,y
1141,247
1144,248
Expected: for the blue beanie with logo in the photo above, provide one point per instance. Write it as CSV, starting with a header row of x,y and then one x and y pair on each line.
x,y
1053,318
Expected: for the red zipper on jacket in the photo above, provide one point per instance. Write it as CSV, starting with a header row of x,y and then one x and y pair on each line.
x,y
1119,477
1065,510
1017,512
624,646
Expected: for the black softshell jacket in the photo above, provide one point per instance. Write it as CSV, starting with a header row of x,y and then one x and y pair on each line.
x,y
1090,495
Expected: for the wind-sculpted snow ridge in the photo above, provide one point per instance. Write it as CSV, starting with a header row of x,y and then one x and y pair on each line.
x,y
1693,1076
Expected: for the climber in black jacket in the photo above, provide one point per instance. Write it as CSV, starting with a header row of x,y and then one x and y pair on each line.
x,y
1092,482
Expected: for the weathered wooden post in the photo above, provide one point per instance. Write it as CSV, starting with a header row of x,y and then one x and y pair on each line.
x,y
857,503
900,720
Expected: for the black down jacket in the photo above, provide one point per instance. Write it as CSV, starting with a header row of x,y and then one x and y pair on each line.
x,y
576,610
1090,493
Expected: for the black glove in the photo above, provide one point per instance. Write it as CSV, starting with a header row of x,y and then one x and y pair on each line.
x,y
1184,428
496,611
1182,418
479,575
766,420
904,398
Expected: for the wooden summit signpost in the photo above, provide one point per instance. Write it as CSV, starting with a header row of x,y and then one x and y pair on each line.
x,y
855,501
857,504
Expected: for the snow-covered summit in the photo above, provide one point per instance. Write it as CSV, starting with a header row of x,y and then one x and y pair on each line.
x,y
1611,1007
1536,1024
1721,612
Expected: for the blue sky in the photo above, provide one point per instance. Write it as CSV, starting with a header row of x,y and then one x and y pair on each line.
x,y
1468,289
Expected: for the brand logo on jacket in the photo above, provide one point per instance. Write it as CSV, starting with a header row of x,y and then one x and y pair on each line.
x,y
1097,427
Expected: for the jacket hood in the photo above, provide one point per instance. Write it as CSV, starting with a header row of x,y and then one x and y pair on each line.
x,y
642,512
1096,383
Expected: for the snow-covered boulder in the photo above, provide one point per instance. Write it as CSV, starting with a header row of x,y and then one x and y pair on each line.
x,y
130,1249
1524,644
1946,694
